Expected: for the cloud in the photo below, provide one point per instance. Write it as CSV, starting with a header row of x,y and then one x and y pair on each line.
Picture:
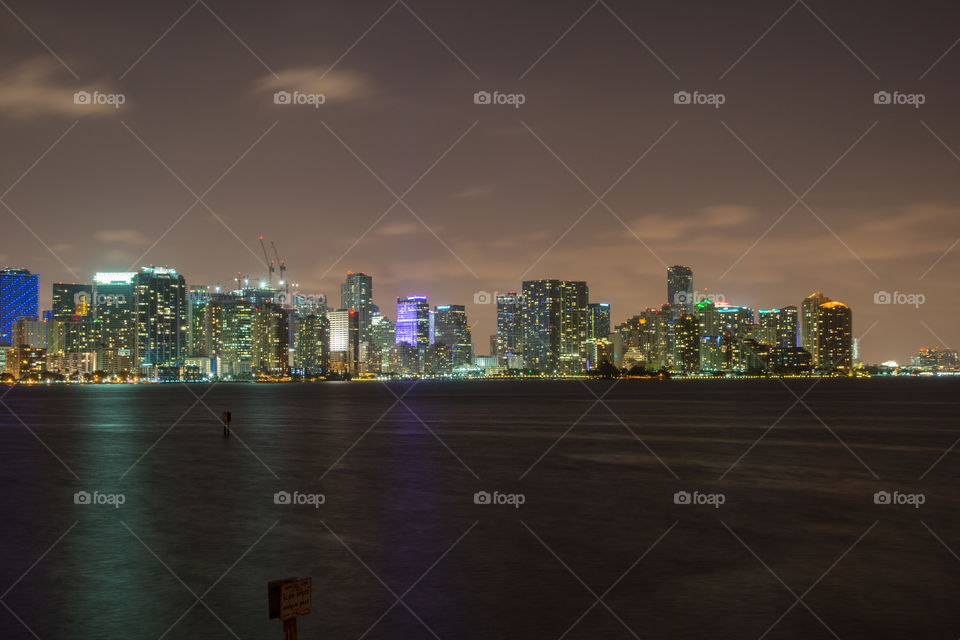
x,y
397,229
471,193
336,85
36,88
122,236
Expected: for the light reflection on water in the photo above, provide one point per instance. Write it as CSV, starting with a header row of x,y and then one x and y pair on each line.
x,y
399,499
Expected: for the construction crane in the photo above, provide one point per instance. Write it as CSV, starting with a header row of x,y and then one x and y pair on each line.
x,y
282,263
269,264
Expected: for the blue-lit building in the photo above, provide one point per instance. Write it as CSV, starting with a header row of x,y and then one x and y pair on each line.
x,y
413,321
19,298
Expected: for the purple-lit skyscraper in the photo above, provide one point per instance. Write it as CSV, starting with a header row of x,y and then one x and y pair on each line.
x,y
413,321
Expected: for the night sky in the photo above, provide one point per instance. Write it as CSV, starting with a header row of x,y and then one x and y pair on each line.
x,y
798,182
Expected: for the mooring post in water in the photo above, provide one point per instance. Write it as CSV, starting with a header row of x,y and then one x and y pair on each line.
x,y
289,599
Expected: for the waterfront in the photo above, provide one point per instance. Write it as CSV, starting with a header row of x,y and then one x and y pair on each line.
x,y
199,508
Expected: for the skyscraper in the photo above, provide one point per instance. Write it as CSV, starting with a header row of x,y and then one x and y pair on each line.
x,y
554,322
413,321
809,309
19,298
271,340
71,327
598,320
160,309
114,321
230,328
357,294
834,338
778,327
452,329
344,340
509,336
680,288
311,344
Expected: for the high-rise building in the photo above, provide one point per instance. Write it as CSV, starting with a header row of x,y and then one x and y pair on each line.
x,y
229,336
680,289
834,338
71,326
509,336
311,344
809,309
598,320
198,296
19,298
686,355
72,300
778,327
357,294
554,323
382,333
452,329
413,321
344,340
271,341
114,320
160,307
29,332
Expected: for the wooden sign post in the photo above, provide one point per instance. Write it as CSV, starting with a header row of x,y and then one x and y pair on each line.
x,y
288,599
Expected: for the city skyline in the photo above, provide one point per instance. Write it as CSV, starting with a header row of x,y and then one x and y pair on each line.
x,y
350,291
498,193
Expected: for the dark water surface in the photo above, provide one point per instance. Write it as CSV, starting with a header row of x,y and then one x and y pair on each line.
x,y
399,520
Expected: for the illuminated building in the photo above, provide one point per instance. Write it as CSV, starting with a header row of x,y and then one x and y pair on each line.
x,y
686,356
413,321
554,323
230,320
680,289
344,340
25,362
113,320
452,329
197,298
809,309
404,359
271,342
160,311
834,338
19,298
936,359
71,321
311,344
509,336
357,294
778,327
598,320
30,333
382,332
